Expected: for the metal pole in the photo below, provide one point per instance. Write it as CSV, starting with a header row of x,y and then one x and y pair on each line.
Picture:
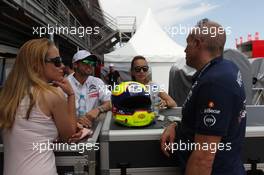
x,y
51,37
2,72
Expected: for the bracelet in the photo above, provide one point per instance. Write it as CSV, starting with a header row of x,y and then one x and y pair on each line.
x,y
101,109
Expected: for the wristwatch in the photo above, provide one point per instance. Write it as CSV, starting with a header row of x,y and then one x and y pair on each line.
x,y
101,109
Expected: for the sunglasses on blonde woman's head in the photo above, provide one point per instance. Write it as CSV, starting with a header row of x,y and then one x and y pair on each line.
x,y
57,61
139,68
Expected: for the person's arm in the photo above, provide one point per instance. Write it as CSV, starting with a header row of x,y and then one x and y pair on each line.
x,y
119,80
118,77
104,98
167,100
63,111
106,105
106,78
90,116
201,160
167,138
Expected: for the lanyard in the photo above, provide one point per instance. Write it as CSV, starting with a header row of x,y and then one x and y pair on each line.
x,y
205,67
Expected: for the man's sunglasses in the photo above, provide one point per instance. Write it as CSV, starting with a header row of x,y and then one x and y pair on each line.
x,y
89,62
57,61
144,68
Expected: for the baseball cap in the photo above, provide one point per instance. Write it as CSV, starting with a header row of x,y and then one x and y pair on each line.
x,y
83,54
111,65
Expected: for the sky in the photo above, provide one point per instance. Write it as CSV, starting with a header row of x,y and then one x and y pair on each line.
x,y
240,17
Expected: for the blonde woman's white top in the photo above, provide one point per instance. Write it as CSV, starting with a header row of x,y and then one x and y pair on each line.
x,y
27,148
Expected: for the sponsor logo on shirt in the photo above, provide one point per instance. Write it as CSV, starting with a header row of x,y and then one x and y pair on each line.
x,y
211,111
209,120
92,88
210,104
243,112
93,95
239,79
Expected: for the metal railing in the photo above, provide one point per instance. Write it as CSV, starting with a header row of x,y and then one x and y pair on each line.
x,y
108,27
258,96
102,17
58,10
56,14
111,27
127,28
126,23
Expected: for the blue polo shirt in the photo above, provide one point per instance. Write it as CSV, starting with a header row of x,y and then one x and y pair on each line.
x,y
215,106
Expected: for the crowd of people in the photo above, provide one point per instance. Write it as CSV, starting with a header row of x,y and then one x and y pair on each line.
x,y
45,100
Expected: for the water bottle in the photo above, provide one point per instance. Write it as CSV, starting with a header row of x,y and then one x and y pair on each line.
x,y
82,106
155,103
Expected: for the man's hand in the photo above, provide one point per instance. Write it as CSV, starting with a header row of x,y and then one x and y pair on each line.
x,y
91,115
87,120
201,160
162,104
168,135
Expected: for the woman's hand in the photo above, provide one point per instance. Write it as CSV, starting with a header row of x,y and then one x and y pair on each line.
x,y
65,85
162,104
80,134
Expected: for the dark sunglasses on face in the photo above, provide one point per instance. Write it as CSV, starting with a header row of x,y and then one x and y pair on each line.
x,y
144,68
57,61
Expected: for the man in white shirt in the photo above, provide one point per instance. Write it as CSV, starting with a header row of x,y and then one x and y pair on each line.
x,y
96,96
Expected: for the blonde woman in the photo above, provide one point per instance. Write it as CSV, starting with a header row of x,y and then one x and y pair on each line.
x,y
33,113
140,73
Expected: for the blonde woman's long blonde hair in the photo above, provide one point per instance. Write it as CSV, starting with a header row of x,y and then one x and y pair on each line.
x,y
24,80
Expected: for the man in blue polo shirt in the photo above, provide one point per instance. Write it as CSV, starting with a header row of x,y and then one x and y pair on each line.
x,y
213,116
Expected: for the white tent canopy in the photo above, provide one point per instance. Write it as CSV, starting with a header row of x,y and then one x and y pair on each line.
x,y
153,43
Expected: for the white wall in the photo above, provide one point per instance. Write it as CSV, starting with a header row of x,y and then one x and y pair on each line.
x,y
160,74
